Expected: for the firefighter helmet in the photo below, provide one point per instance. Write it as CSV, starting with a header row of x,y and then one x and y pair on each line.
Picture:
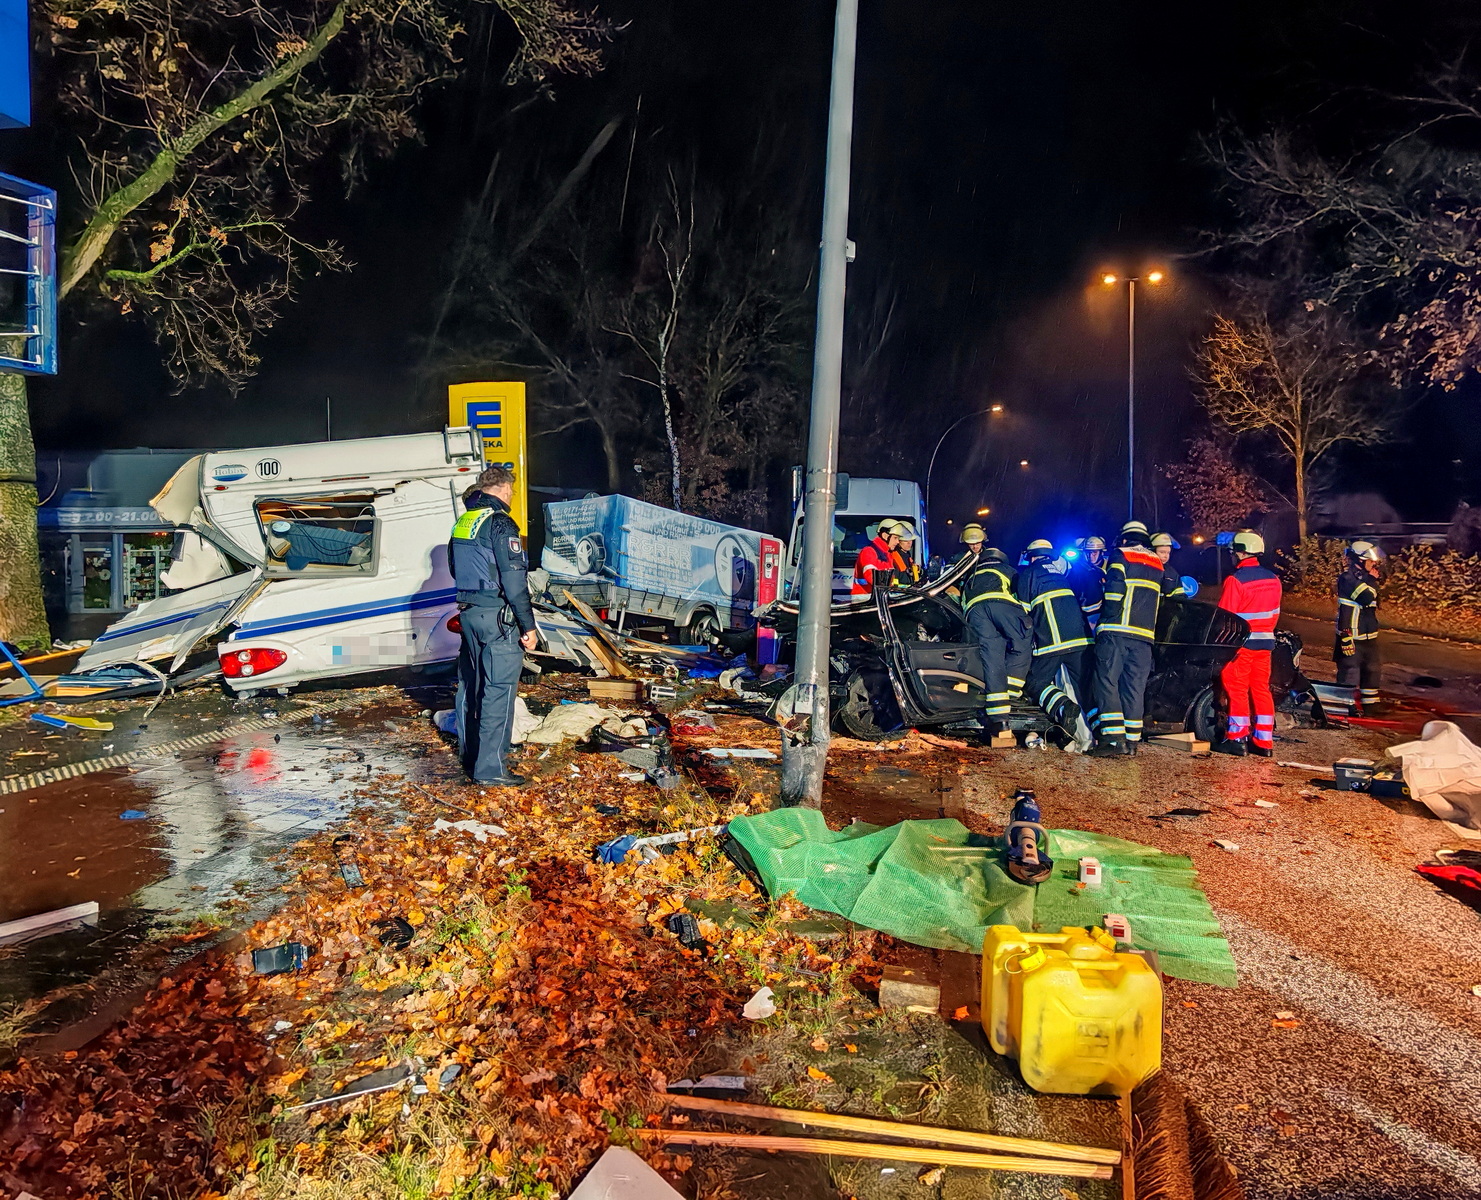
x,y
1249,541
973,534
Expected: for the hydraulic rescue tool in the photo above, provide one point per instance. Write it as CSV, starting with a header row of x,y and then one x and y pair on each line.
x,y
1024,839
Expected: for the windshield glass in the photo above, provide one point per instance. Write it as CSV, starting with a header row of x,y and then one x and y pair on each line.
x,y
851,534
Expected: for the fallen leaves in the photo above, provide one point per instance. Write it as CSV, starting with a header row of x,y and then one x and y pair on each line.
x,y
820,1076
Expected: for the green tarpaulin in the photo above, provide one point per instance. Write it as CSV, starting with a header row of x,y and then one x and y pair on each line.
x,y
937,884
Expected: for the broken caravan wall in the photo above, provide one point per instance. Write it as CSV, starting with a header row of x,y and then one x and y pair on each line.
x,y
387,610
631,557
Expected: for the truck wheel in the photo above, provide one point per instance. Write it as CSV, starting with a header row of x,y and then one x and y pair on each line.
x,y
703,628
1203,717
856,713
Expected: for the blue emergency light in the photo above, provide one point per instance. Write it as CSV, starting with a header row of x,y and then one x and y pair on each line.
x,y
1071,553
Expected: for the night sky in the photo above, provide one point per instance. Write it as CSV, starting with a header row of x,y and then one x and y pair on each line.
x,y
1004,156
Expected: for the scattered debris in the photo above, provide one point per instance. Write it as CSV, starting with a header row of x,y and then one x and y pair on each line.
x,y
1181,812
710,1087
275,960
760,1006
58,920
685,927
1223,845
480,830
739,752
132,814
621,1175
931,1176
378,1081
1266,804
395,933
907,988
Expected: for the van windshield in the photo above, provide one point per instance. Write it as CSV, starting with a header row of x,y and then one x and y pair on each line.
x,y
851,533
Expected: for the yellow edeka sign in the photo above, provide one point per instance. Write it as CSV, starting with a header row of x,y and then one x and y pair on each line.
x,y
497,411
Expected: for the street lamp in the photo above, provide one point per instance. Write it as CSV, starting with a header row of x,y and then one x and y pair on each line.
x,y
1154,278
993,410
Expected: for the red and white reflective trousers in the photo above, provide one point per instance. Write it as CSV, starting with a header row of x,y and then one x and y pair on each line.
x,y
1246,681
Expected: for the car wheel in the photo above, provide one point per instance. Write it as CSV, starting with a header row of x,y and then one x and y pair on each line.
x,y
1204,718
856,713
703,628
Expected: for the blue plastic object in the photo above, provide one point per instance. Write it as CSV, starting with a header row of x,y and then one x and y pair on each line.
x,y
616,850
132,814
1224,539
28,223
50,721
34,694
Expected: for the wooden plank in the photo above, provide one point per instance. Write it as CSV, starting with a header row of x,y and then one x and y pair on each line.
x,y
12,931
1186,743
875,1150
608,638
969,1138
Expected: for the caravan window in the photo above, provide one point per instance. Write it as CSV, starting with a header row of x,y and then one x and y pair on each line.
x,y
312,535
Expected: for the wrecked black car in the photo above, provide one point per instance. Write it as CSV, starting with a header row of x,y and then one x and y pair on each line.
x,y
919,666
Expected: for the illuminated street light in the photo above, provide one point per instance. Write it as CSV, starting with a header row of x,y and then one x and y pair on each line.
x,y
996,408
1023,462
982,512
1152,277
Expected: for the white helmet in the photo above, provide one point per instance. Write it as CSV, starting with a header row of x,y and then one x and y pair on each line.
x,y
1366,551
1249,541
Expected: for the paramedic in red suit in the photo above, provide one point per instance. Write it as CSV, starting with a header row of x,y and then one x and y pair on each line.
x,y
1252,592
876,561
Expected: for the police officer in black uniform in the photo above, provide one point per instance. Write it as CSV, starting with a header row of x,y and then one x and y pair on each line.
x,y
489,569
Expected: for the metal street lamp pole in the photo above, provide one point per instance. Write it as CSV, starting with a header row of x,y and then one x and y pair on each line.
x,y
1152,277
981,412
804,761
1131,398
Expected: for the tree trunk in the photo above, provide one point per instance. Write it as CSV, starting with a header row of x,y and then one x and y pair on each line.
x,y
668,429
614,463
22,614
1301,466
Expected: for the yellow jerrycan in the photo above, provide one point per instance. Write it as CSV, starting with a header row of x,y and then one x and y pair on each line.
x,y
1080,1018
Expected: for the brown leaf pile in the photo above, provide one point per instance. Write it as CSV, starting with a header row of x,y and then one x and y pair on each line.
x,y
549,980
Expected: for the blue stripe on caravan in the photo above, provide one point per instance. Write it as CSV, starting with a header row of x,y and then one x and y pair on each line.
x,y
347,612
120,631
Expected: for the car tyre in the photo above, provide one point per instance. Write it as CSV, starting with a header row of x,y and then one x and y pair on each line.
x,y
856,713
703,628
1204,719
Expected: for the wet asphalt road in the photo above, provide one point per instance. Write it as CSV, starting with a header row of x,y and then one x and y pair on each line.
x,y
178,839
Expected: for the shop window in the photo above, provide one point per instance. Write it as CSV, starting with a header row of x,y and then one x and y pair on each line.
x,y
145,558
331,535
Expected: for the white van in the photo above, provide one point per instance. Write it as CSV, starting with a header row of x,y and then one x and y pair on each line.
x,y
862,505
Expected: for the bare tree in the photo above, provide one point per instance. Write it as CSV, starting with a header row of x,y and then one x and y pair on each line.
x,y
650,316
195,125
1391,235
1296,378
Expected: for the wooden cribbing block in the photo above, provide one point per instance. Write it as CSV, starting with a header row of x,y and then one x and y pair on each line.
x,y
1188,743
902,987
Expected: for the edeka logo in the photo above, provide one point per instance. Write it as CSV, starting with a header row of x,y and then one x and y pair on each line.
x,y
487,416
229,473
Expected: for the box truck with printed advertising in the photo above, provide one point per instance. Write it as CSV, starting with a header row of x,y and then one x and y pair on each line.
x,y
637,560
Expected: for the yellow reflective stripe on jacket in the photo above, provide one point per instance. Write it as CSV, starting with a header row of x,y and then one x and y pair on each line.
x,y
466,530
1003,591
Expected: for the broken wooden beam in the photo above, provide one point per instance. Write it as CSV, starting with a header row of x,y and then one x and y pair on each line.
x,y
969,1138
878,1150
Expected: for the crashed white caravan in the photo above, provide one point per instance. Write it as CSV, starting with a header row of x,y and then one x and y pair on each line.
x,y
306,562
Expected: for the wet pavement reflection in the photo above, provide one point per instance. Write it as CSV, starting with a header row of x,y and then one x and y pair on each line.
x,y
171,841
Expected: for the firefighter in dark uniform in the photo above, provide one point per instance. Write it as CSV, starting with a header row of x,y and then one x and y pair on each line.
x,y
1136,582
1004,633
1061,636
489,568
1359,660
1088,577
